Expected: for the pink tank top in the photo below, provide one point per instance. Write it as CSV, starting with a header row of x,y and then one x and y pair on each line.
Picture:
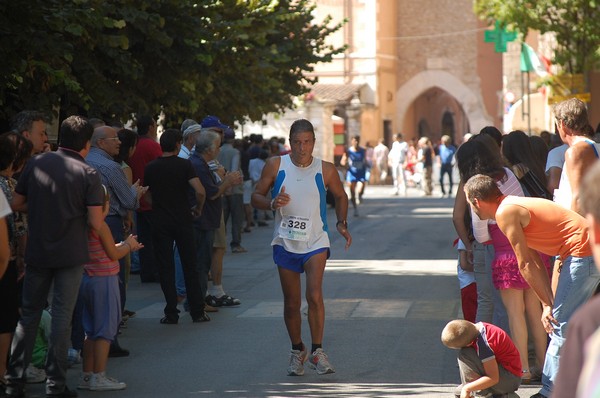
x,y
100,264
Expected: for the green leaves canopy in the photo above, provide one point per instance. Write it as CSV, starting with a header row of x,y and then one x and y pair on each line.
x,y
110,58
576,24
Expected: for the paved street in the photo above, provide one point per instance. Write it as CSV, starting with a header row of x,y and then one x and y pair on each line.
x,y
387,300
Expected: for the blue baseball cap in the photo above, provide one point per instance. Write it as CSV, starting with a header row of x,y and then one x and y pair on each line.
x,y
229,133
212,122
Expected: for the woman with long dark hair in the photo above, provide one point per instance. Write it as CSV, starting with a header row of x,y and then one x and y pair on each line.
x,y
527,166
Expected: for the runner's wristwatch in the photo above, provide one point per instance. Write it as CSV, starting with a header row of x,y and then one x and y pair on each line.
x,y
343,222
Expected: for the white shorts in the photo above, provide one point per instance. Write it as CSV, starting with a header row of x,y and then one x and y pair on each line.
x,y
248,191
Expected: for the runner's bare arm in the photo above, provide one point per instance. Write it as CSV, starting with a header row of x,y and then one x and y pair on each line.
x,y
260,199
334,185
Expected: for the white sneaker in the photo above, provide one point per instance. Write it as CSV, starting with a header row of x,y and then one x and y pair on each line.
x,y
34,375
318,360
99,382
84,381
297,359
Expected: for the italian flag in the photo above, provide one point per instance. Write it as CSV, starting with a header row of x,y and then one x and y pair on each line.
x,y
530,62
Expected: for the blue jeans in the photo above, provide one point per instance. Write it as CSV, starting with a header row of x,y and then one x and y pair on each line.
x,y
204,240
36,287
446,169
576,284
490,308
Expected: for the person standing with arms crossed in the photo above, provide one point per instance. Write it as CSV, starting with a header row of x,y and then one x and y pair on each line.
x,y
300,240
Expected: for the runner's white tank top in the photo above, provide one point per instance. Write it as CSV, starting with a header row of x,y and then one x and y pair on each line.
x,y
301,226
563,195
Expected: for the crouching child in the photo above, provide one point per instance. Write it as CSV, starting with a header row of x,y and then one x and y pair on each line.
x,y
488,361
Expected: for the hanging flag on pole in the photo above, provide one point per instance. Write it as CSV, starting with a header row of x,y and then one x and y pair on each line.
x,y
530,62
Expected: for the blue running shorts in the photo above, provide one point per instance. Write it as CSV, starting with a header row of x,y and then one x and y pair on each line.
x,y
294,261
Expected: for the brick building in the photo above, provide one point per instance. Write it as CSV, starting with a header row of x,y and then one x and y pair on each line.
x,y
420,67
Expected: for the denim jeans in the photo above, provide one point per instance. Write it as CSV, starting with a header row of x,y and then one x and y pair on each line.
x,y
490,308
65,283
204,240
576,284
446,169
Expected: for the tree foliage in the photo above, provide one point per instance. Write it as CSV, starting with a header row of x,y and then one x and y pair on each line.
x,y
110,58
576,24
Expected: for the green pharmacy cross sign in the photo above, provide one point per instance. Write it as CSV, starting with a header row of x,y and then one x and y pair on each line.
x,y
499,36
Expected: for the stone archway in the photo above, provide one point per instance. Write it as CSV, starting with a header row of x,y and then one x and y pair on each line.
x,y
448,126
471,102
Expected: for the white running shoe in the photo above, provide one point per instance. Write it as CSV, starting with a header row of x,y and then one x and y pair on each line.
x,y
84,381
297,359
100,382
35,375
318,360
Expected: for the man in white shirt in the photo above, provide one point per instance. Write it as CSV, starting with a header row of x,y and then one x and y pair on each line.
x,y
380,157
396,160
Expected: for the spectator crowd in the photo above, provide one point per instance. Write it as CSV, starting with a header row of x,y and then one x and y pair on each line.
x,y
524,213
108,202
77,221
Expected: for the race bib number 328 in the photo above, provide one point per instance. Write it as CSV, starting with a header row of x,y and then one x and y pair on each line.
x,y
294,228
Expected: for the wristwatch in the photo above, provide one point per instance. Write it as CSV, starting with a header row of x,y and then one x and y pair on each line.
x,y
343,222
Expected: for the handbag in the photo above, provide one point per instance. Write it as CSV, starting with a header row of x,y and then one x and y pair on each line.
x,y
533,187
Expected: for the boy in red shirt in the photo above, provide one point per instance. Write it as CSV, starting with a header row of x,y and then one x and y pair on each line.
x,y
488,360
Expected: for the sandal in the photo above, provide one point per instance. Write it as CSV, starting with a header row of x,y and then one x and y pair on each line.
x,y
203,317
525,376
228,301
169,320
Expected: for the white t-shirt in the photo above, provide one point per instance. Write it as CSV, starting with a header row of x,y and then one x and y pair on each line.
x,y
255,168
556,157
398,152
509,187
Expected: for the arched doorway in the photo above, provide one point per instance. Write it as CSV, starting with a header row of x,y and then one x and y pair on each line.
x,y
423,129
434,85
436,112
448,127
